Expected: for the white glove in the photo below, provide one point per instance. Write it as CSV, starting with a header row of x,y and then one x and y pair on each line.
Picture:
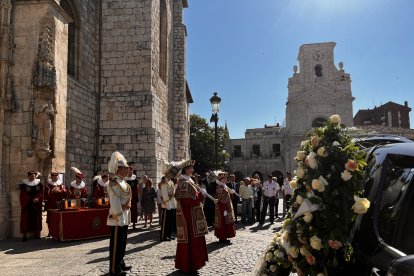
x,y
232,191
203,191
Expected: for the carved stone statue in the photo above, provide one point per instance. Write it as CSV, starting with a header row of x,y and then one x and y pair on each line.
x,y
43,116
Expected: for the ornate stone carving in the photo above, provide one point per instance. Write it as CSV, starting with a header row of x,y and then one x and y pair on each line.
x,y
44,73
44,116
7,96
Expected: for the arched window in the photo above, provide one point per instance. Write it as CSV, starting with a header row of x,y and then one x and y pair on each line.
x,y
318,70
318,122
163,41
73,37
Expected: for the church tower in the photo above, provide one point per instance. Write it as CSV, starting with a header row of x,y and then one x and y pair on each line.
x,y
317,90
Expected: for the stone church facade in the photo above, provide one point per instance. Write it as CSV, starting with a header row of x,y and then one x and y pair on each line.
x,y
80,79
317,90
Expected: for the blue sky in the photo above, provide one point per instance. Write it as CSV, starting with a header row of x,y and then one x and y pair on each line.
x,y
245,50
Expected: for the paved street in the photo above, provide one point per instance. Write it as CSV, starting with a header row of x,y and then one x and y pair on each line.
x,y
147,255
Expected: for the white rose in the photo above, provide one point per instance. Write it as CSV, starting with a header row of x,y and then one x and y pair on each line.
x,y
322,152
320,274
307,217
335,119
346,175
323,180
312,161
299,199
300,172
361,205
300,155
316,243
280,254
272,268
293,251
336,144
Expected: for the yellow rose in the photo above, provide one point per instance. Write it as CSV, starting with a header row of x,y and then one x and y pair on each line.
x,y
293,252
335,119
322,152
361,205
300,155
316,243
269,256
293,184
304,251
315,141
307,217
318,185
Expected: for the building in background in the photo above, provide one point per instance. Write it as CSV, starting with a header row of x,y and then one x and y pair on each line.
x,y
391,114
317,90
80,79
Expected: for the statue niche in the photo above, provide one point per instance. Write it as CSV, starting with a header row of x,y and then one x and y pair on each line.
x,y
44,116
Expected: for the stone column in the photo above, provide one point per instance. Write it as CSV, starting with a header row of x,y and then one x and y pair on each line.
x,y
36,131
181,113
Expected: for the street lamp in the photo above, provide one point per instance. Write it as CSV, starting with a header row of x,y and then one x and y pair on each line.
x,y
215,106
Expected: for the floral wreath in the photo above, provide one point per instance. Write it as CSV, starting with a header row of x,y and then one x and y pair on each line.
x,y
314,239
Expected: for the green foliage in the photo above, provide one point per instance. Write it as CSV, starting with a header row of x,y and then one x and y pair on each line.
x,y
315,235
202,144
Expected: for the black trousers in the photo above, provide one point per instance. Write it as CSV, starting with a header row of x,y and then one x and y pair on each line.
x,y
271,202
167,223
117,245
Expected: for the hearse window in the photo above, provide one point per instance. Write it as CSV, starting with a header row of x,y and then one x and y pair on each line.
x,y
396,208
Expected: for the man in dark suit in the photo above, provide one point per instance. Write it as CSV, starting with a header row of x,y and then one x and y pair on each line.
x,y
209,181
232,184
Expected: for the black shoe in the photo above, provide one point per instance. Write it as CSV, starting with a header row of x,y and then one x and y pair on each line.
x,y
166,239
224,241
171,238
236,222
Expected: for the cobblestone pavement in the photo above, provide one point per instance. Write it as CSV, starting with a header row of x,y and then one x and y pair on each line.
x,y
144,252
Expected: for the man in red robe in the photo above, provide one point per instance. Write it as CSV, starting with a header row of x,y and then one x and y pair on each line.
x,y
100,190
31,195
53,193
132,180
191,252
224,215
78,188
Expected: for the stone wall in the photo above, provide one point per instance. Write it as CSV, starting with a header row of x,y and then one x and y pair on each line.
x,y
127,101
33,22
82,96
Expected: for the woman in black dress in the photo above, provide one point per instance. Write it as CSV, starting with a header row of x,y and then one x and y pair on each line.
x,y
148,201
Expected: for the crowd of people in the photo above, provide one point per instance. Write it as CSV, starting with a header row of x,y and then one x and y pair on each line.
x,y
187,205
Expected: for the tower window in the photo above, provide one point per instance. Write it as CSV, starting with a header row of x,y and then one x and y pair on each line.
x,y
73,37
318,70
163,41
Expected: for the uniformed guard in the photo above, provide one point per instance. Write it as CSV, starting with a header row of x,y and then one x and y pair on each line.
x,y
118,217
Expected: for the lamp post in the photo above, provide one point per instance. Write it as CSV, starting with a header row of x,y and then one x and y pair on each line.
x,y
215,106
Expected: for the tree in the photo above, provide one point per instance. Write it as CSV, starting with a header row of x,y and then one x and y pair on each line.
x,y
202,144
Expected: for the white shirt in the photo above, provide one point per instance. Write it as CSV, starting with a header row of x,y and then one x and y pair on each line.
x,y
270,189
167,192
286,187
